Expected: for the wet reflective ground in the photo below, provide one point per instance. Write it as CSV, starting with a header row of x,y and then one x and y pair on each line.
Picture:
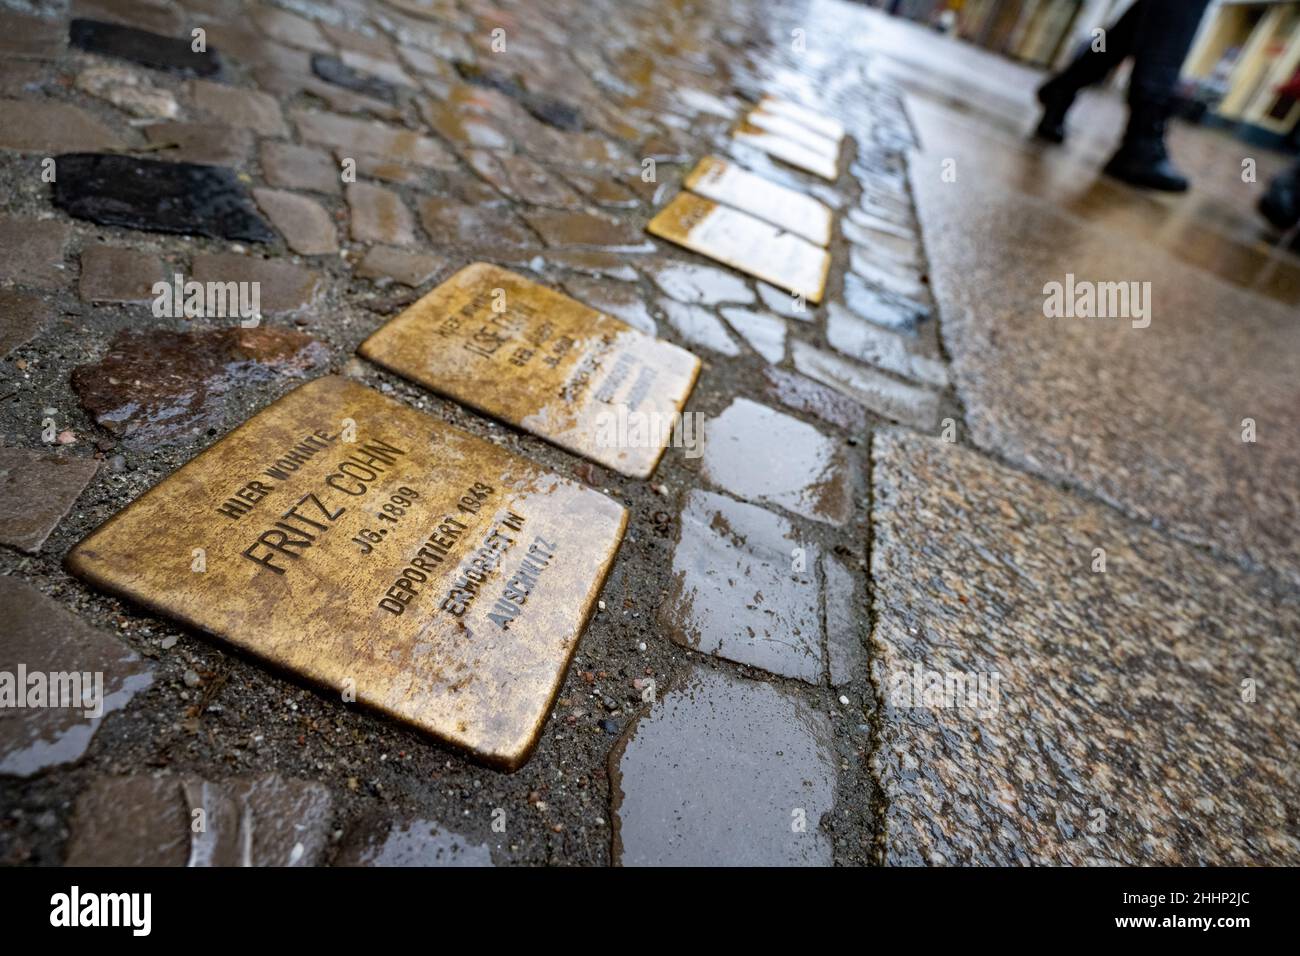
x,y
921,475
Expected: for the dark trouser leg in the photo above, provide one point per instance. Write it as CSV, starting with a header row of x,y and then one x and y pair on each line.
x,y
1089,67
1281,204
1164,33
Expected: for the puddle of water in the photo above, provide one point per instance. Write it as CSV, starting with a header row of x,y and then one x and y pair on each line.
x,y
723,772
745,588
762,455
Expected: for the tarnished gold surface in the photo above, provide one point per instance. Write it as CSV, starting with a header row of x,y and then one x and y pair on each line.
x,y
739,240
729,184
810,156
535,358
455,609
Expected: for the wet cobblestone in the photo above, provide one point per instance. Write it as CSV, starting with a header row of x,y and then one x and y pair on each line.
x,y
346,158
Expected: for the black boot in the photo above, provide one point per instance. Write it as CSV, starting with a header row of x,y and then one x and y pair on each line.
x,y
1281,204
1057,99
1089,67
1142,159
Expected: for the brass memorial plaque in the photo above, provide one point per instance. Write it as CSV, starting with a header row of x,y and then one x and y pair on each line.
x,y
535,358
378,552
727,183
739,240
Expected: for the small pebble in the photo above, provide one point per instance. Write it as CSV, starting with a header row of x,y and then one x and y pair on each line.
x,y
844,700
191,678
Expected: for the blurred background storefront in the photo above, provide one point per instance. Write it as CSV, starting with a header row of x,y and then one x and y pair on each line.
x,y
1244,55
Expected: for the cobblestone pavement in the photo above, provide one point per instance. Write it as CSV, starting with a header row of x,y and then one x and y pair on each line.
x,y
894,483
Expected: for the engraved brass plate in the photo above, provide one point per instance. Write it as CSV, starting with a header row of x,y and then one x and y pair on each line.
x,y
739,240
535,358
819,123
791,152
727,183
415,568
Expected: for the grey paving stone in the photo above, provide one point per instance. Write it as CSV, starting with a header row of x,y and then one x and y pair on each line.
x,y
31,252
307,228
21,317
766,457
156,17
39,488
1121,729
813,398
620,300
887,274
48,650
874,390
562,228
118,274
890,312
521,179
29,36
285,287
409,843
369,136
379,215
764,332
905,252
485,231
300,167
700,285
745,588
248,821
1151,419
239,108
49,126
783,303
205,144
866,220
130,821
408,268
846,618
292,29
699,327
880,347
723,772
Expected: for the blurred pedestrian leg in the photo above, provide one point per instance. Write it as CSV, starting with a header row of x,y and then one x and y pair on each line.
x,y
1157,34
1280,205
